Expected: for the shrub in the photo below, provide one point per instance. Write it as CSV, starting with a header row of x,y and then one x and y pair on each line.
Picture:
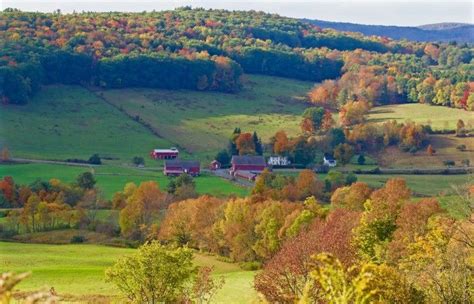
x,y
138,160
449,163
251,266
351,178
77,239
361,159
461,147
95,159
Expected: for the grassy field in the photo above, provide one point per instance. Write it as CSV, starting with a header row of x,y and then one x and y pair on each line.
x,y
437,116
202,122
111,179
79,270
70,122
445,146
427,185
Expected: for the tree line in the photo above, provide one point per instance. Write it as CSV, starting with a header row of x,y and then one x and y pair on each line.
x,y
390,71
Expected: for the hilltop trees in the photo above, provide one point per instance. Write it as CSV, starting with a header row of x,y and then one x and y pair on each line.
x,y
209,50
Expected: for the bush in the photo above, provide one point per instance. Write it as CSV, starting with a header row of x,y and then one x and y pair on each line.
x,y
361,159
449,163
466,162
351,178
461,148
95,159
78,239
251,266
138,161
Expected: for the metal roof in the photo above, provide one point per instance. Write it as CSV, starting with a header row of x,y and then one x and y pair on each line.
x,y
248,160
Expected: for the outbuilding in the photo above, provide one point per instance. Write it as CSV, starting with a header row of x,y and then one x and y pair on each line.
x,y
170,153
177,167
215,165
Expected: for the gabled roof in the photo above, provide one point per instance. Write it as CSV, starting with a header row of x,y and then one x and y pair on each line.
x,y
182,163
248,160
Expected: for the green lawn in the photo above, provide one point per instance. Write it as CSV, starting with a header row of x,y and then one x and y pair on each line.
x,y
439,117
111,179
202,122
79,270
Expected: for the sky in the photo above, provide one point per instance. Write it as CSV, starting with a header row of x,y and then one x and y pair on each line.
x,y
389,12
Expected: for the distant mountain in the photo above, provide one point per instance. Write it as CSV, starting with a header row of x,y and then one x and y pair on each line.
x,y
459,32
443,26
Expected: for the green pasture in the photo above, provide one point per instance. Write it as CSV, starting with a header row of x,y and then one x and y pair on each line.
x,y
78,270
202,122
438,117
111,179
70,122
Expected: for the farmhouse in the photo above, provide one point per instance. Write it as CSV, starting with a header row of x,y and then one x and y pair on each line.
x,y
278,161
170,153
329,161
177,167
248,163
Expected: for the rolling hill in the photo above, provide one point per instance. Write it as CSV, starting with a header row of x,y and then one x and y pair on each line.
x,y
445,32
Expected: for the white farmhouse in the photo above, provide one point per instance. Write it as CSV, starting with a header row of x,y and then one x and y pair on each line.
x,y
329,161
278,161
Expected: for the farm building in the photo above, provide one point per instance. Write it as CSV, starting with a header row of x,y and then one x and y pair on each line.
x,y
177,167
215,165
251,176
248,163
170,153
329,161
278,161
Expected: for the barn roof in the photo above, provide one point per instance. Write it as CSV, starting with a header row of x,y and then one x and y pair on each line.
x,y
248,160
182,163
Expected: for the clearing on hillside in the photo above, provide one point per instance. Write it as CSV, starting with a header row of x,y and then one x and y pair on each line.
x,y
439,117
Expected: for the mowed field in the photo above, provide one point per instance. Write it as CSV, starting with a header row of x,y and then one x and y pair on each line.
x,y
111,179
439,117
70,122
202,122
77,271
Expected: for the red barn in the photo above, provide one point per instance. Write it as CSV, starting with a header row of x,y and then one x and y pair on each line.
x,y
170,153
215,165
248,163
177,167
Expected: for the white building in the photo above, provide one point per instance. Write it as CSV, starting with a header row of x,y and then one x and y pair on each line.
x,y
329,161
278,161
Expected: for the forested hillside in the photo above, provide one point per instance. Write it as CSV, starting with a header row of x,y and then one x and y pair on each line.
x,y
201,49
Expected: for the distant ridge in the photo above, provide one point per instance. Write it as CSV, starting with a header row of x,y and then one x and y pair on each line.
x,y
443,26
443,32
